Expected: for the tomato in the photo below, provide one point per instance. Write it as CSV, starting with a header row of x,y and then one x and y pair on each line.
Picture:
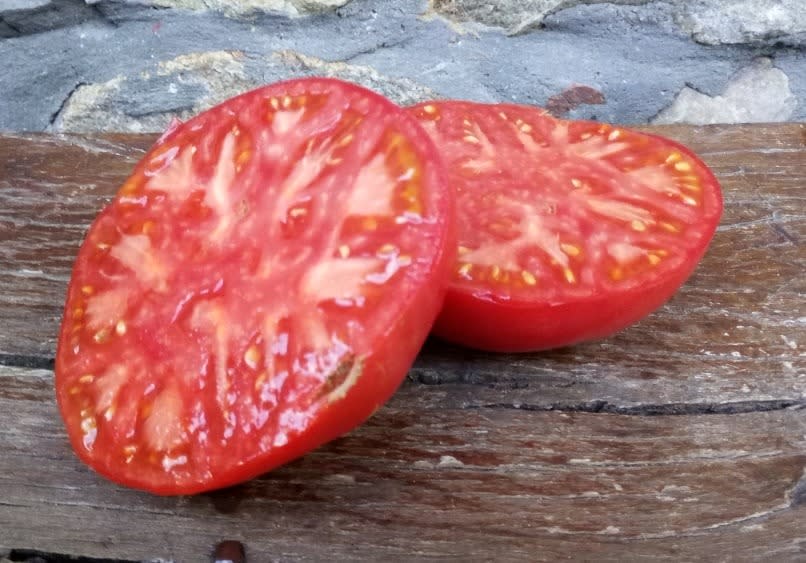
x,y
568,230
260,285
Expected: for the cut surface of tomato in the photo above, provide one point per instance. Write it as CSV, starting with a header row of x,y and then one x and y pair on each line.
x,y
568,230
259,286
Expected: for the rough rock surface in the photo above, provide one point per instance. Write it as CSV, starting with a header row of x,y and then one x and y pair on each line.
x,y
745,21
758,93
236,8
188,84
80,65
515,16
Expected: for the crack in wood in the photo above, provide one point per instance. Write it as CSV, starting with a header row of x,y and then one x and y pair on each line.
x,y
20,361
35,556
661,409
797,496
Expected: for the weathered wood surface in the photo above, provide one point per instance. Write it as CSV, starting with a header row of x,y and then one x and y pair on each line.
x,y
681,438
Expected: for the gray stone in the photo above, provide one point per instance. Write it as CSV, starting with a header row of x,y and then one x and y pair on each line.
x,y
14,5
756,94
514,16
36,16
712,22
717,22
184,86
240,8
611,62
400,90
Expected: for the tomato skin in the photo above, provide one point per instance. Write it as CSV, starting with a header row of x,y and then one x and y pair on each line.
x,y
495,317
167,362
496,326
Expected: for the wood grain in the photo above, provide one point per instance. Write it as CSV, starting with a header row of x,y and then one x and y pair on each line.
x,y
682,438
733,334
417,483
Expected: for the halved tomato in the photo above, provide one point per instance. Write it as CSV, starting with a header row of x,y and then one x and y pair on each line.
x,y
259,286
568,230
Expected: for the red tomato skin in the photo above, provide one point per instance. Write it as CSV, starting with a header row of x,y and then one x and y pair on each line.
x,y
384,368
482,320
495,326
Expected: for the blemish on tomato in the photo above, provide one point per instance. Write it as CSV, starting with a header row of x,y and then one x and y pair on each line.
x,y
569,275
464,270
120,328
429,109
87,289
343,378
682,166
615,134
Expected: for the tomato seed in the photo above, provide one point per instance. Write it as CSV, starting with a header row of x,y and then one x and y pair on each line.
x,y
528,277
252,357
637,225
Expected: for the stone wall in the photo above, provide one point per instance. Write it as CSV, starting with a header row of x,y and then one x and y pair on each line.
x,y
130,65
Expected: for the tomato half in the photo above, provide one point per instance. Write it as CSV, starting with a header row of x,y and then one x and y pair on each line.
x,y
259,286
568,230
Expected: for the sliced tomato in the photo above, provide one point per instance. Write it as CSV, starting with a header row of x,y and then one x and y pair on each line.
x,y
568,230
260,285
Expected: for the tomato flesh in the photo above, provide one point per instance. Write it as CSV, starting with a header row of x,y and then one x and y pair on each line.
x,y
259,286
568,230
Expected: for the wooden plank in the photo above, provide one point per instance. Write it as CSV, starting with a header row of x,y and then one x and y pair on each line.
x,y
418,483
731,339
